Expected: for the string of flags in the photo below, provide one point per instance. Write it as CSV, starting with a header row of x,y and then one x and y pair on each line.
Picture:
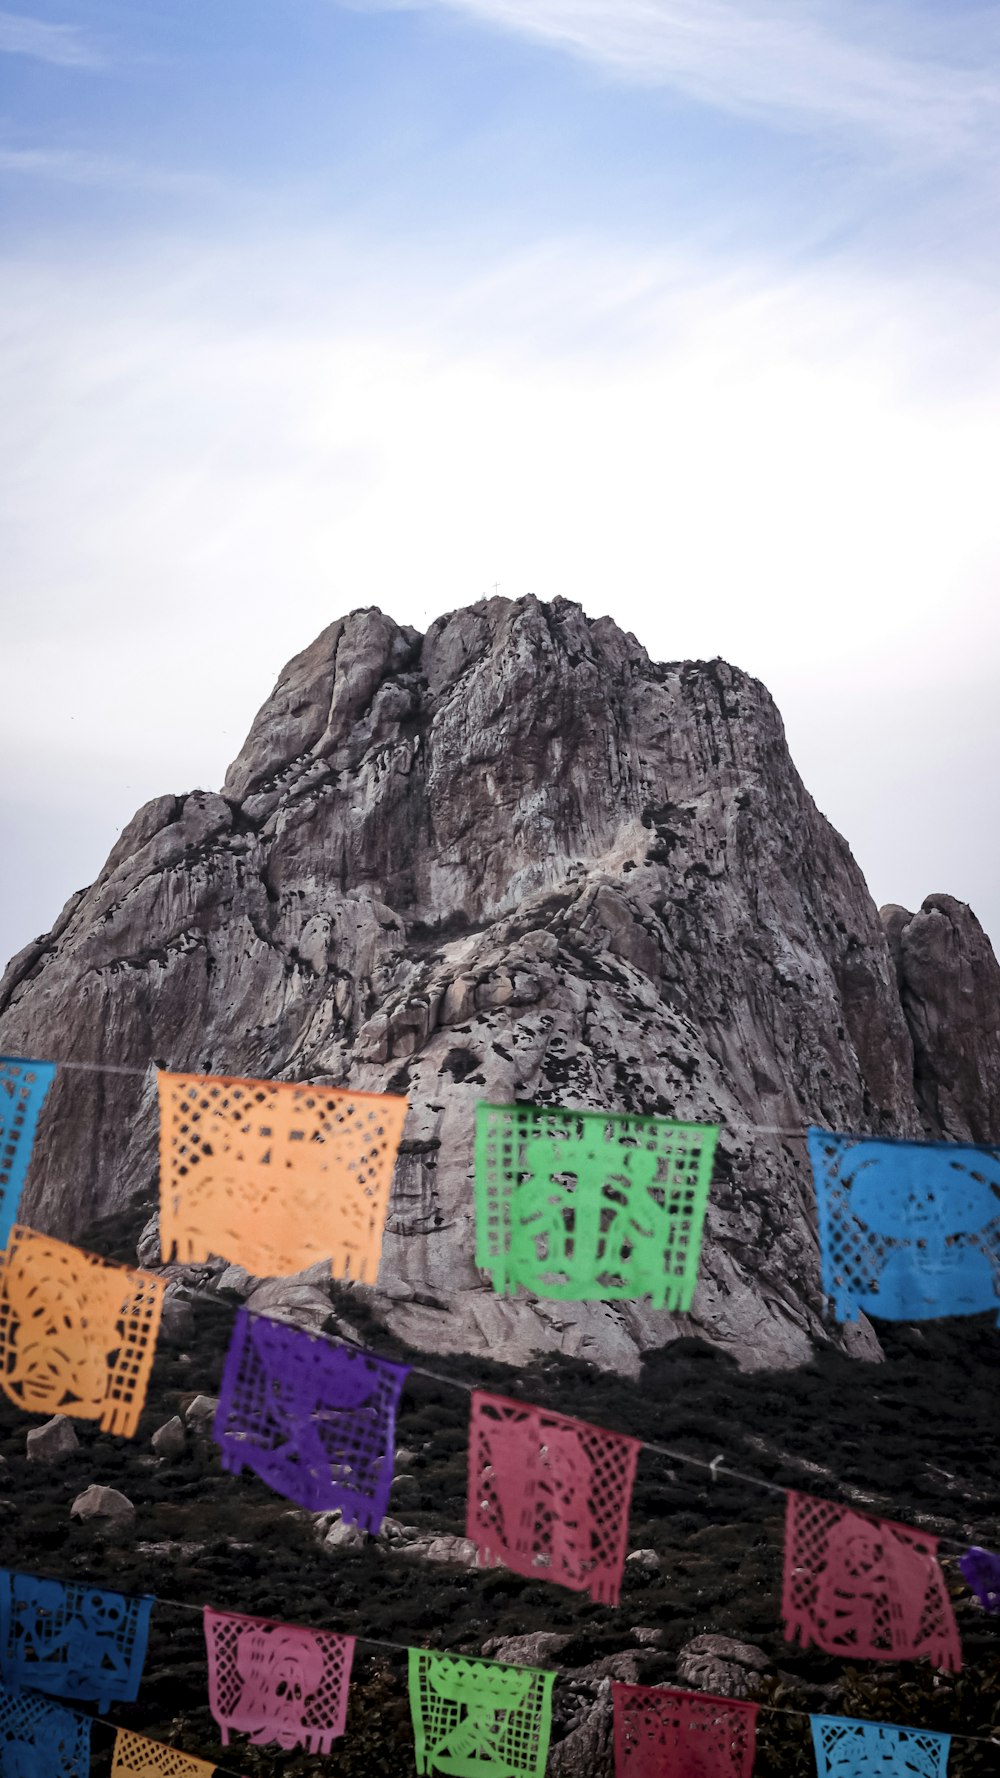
x,y
285,1686
571,1205
580,1205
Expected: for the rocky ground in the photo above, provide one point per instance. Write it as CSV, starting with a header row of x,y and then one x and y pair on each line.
x,y
915,1437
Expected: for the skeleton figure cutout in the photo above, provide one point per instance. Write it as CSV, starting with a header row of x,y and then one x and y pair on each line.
x,y
549,1496
908,1230
587,1206
473,1718
39,1739
280,1684
77,1335
865,1588
314,1420
74,1641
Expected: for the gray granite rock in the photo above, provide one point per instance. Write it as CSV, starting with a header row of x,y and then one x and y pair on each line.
x,y
513,857
200,1413
301,1305
52,1442
721,1664
342,1536
98,1502
169,1440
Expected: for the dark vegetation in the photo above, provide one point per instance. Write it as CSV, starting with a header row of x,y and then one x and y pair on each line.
x,y
916,1437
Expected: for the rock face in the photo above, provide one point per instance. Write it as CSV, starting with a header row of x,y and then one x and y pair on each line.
x,y
949,984
514,858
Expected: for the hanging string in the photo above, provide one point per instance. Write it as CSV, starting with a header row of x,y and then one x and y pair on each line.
x,y
796,1132
714,1467
403,1648
105,1721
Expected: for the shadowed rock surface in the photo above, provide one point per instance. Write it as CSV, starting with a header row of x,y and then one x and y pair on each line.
x,y
514,858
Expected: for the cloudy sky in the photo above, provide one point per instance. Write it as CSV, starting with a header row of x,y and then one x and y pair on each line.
x,y
682,308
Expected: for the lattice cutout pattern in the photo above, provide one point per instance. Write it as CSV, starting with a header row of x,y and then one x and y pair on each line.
x,y
77,1334
23,1086
277,1683
476,1717
908,1230
686,1734
847,1748
135,1757
589,1206
981,1569
76,1641
317,1422
865,1588
275,1176
41,1740
548,1496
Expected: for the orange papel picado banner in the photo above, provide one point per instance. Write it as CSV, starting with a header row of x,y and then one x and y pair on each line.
x,y
135,1757
274,1175
77,1334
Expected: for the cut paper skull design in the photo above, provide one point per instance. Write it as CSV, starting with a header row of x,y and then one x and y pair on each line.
x,y
908,1230
73,1640
549,1496
41,1740
475,1718
77,1335
135,1757
591,1206
316,1422
847,1748
688,1734
865,1588
275,1176
23,1086
280,1684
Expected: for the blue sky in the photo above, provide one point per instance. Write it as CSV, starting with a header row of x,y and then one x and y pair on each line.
x,y
684,308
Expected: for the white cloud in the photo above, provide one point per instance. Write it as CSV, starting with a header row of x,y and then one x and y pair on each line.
x,y
206,455
62,45
851,66
71,166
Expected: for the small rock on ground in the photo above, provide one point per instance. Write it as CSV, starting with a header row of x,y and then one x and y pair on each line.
x,y
97,1502
201,1411
53,1441
169,1439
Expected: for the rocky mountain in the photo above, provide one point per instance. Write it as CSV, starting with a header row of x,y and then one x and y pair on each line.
x,y
515,858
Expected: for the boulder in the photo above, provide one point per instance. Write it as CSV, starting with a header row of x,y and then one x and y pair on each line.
x,y
722,1665
539,1648
645,1559
97,1502
53,1441
169,1440
177,1323
200,1413
300,1305
342,1536
444,1547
